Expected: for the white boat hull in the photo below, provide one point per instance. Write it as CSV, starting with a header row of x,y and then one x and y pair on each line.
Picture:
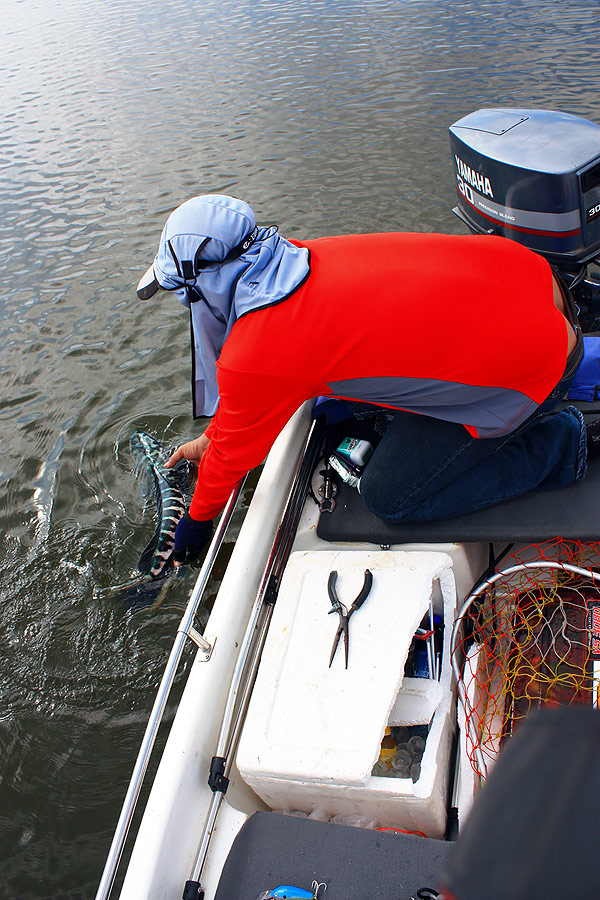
x,y
167,842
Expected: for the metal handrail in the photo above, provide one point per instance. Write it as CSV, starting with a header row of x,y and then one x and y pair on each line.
x,y
186,630
254,639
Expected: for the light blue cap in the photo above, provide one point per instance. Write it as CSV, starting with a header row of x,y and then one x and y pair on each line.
x,y
205,230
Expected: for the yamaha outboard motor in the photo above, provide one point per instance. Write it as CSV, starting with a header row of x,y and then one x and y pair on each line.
x,y
533,175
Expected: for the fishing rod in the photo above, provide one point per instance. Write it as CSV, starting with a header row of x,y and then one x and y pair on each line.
x,y
251,649
186,630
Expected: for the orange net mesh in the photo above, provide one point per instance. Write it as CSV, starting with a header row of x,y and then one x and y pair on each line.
x,y
529,639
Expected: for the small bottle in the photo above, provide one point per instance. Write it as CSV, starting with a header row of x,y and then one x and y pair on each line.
x,y
346,473
388,746
355,451
420,660
401,763
416,747
399,773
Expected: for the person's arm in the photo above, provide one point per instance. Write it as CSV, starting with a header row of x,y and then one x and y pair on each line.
x,y
252,411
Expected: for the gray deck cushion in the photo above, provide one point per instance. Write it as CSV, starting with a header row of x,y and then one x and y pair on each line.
x,y
272,849
572,512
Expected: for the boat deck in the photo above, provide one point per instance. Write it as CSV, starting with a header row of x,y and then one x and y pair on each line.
x,y
272,849
268,848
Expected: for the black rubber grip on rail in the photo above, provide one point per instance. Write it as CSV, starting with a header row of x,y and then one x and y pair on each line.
x,y
217,781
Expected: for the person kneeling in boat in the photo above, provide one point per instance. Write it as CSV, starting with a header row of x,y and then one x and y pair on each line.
x,y
472,340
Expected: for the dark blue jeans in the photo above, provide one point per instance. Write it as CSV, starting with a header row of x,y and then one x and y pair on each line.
x,y
425,468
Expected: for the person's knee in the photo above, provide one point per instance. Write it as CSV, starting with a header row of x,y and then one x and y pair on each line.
x,y
378,497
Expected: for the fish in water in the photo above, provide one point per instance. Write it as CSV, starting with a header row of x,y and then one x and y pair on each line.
x,y
172,489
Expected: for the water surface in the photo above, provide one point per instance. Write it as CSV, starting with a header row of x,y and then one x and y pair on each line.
x,y
328,116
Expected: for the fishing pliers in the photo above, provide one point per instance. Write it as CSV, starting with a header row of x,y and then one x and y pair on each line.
x,y
344,613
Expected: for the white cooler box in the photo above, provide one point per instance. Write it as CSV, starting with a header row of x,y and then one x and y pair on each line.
x,y
313,733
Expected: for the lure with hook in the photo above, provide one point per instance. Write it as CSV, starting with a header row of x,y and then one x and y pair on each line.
x,y
289,892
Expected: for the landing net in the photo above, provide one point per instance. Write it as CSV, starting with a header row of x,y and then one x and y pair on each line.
x,y
526,638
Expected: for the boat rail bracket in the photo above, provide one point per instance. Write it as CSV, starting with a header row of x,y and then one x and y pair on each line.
x,y
217,780
205,644
271,591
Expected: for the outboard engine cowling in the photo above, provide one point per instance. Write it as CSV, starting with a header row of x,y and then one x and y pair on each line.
x,y
533,175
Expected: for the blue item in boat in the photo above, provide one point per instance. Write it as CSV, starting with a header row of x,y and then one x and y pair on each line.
x,y
586,383
333,409
288,892
421,661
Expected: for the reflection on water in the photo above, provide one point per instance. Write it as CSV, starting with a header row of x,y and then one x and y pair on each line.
x,y
328,116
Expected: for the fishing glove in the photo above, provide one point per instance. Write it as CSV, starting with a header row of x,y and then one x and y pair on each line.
x,y
190,537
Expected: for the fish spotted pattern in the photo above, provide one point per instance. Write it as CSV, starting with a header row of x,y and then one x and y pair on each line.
x,y
170,489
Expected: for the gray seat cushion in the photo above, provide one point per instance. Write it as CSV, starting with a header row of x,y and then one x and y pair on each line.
x,y
272,849
572,512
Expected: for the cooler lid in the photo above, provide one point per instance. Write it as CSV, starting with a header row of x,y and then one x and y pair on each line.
x,y
306,721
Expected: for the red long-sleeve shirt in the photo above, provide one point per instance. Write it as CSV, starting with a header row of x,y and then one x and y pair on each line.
x,y
462,328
